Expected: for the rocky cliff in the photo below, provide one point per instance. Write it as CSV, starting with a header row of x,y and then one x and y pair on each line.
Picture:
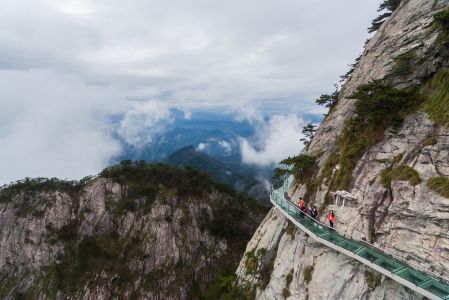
x,y
398,171
135,232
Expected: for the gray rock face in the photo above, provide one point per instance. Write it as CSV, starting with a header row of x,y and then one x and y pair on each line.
x,y
102,243
407,220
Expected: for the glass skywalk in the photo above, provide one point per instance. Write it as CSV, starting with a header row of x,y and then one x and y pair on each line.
x,y
418,279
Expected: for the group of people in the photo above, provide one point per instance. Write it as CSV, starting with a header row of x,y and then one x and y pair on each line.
x,y
313,212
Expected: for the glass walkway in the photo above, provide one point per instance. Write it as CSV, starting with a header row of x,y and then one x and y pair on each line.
x,y
414,277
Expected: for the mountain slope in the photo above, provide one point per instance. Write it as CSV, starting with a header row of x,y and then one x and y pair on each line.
x,y
390,168
136,231
238,177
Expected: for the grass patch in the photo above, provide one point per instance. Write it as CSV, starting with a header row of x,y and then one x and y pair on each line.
x,y
253,259
439,185
437,103
405,63
288,281
430,141
372,279
308,272
442,18
400,173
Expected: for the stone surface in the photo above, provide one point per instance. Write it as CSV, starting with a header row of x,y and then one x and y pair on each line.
x,y
170,249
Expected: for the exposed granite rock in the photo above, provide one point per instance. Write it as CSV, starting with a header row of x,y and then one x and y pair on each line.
x,y
101,243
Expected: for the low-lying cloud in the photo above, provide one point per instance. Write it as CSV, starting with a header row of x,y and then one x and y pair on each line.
x,y
144,122
276,139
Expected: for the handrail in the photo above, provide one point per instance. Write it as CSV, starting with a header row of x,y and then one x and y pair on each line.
x,y
399,259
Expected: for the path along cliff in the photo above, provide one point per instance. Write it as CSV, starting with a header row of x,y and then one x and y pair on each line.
x,y
398,172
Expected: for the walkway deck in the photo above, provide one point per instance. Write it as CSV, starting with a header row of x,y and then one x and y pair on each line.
x,y
412,276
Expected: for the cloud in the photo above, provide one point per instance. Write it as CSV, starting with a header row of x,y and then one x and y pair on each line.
x,y
55,130
143,122
275,140
227,147
202,146
69,67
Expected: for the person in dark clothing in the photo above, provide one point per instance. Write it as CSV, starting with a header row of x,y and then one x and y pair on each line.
x,y
331,218
314,212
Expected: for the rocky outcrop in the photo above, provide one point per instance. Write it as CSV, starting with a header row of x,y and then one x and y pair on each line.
x,y
115,238
402,217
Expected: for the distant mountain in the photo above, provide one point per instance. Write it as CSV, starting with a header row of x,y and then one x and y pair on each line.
x,y
236,176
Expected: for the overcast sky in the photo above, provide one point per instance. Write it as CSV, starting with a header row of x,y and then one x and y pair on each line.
x,y
67,66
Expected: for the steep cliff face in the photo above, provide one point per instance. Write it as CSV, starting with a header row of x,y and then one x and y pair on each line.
x,y
397,212
135,232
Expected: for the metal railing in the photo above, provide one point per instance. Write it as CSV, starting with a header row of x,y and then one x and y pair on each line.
x,y
418,275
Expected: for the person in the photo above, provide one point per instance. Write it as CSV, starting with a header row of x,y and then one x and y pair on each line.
x,y
314,212
301,207
331,218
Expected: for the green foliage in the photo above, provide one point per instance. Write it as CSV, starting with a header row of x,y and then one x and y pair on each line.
x,y
308,272
430,141
82,261
372,279
144,179
390,6
437,102
308,131
223,286
402,173
328,100
253,259
442,18
440,185
352,68
301,166
34,185
288,281
380,103
405,63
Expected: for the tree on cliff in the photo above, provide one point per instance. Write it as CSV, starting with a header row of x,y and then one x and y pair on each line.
x,y
389,6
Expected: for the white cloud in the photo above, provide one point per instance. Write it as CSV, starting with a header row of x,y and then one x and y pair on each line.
x,y
227,147
276,139
67,66
143,122
202,146
55,130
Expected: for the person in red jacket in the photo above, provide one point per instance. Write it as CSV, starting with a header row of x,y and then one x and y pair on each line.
x,y
302,205
331,218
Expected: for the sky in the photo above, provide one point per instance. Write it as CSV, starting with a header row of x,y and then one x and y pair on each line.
x,y
69,67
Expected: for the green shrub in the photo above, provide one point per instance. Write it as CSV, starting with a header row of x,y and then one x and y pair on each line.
x,y
288,281
380,103
308,272
430,141
40,184
372,279
253,260
389,6
223,284
405,63
442,18
437,102
403,173
301,166
440,185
